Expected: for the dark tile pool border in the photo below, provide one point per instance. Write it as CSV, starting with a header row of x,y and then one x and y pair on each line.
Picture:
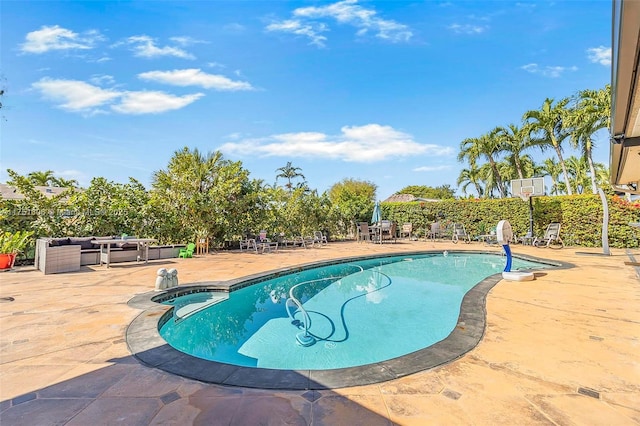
x,y
146,344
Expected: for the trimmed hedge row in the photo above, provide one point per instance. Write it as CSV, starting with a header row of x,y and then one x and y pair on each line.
x,y
580,216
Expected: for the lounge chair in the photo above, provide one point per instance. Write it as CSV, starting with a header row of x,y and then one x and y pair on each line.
x,y
460,233
551,237
265,243
188,251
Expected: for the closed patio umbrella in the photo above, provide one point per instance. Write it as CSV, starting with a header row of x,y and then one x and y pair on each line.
x,y
377,214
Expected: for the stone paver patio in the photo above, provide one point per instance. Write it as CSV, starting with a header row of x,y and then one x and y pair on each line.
x,y
563,349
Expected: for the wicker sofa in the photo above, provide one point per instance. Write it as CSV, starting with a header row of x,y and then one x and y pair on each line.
x,y
68,254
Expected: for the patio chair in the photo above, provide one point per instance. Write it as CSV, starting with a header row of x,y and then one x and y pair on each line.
x,y
388,231
551,237
188,251
248,244
320,238
460,233
406,230
364,233
435,231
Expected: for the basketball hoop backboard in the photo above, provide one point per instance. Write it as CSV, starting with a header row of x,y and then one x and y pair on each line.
x,y
526,188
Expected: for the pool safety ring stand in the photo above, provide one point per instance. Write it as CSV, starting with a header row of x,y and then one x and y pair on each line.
x,y
518,276
504,234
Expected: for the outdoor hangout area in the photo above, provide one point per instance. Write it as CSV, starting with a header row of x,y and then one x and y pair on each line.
x,y
556,348
451,251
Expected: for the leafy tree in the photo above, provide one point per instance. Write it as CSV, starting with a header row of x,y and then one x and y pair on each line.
x,y
423,191
45,216
300,212
110,208
549,128
200,193
352,201
289,172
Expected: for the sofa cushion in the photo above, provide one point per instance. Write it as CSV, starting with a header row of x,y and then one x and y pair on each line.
x,y
127,246
84,242
113,245
55,242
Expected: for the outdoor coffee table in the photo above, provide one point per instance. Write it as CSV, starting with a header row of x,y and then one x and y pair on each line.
x,y
142,248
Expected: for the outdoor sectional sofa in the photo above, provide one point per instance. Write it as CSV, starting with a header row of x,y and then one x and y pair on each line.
x,y
56,255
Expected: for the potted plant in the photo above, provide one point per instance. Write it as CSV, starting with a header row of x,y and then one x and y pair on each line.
x,y
12,243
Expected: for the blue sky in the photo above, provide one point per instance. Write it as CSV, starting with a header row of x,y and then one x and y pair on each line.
x,y
382,91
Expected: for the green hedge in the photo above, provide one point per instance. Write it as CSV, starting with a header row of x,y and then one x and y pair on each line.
x,y
580,216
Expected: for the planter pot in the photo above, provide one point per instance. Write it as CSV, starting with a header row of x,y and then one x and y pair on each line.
x,y
6,260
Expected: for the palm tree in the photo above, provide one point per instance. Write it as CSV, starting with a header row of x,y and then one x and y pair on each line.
x,y
64,183
552,169
487,146
548,123
592,112
491,184
578,169
471,176
289,172
602,176
515,141
45,178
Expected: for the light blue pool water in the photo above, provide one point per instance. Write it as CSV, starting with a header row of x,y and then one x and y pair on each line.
x,y
359,312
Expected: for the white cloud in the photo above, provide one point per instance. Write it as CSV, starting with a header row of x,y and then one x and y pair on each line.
x,y
145,47
81,97
102,79
349,12
234,27
195,77
432,168
363,144
148,102
57,38
548,71
310,30
70,174
186,40
468,28
74,95
600,55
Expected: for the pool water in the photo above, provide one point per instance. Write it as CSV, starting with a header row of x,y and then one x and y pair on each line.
x,y
359,312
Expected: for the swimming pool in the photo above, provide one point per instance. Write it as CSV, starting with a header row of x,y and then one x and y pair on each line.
x,y
361,312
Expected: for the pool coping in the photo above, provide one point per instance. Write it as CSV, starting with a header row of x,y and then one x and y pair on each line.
x,y
145,343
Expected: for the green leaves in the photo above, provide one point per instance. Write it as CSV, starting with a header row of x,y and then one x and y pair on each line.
x,y
14,242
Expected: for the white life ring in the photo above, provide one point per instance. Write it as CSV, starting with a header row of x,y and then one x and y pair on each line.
x,y
504,234
518,276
